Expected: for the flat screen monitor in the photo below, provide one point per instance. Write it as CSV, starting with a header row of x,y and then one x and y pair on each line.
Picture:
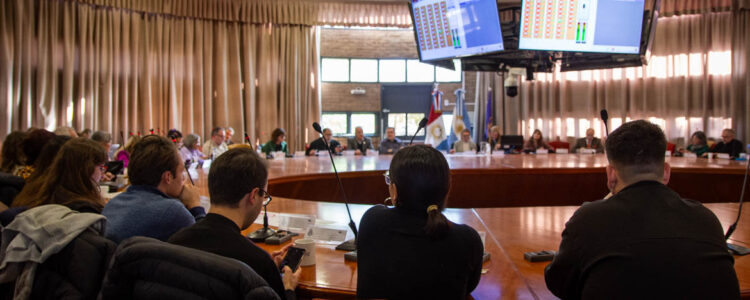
x,y
455,28
515,141
606,26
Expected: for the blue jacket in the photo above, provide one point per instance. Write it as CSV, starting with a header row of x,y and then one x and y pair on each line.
x,y
146,211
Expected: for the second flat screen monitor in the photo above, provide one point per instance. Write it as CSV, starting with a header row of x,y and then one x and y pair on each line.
x,y
607,26
456,28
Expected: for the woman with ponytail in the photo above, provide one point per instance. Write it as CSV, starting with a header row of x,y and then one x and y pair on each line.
x,y
412,251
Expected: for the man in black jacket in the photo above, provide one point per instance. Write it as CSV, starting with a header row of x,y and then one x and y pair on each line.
x,y
644,241
236,183
729,144
320,144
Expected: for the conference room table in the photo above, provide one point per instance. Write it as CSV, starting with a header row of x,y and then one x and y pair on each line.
x,y
510,228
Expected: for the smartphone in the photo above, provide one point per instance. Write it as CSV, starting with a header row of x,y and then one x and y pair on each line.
x,y
292,258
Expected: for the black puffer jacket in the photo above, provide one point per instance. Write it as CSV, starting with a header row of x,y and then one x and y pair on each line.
x,y
75,273
146,268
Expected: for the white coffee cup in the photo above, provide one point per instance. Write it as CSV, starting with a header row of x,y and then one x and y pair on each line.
x,y
308,259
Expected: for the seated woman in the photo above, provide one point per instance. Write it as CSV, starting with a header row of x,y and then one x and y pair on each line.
x,y
47,156
536,142
494,138
12,153
412,251
276,143
71,180
175,136
124,153
698,144
191,149
32,147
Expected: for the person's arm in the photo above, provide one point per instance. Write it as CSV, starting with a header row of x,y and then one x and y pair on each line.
x,y
528,145
737,149
382,148
475,271
207,149
577,145
563,273
285,147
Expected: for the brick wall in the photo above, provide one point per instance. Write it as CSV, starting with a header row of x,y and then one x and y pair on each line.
x,y
373,43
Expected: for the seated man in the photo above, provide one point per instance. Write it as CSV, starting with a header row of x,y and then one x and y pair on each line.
x,y
158,203
390,144
105,140
215,146
589,142
237,182
643,241
359,143
229,132
465,144
729,144
320,144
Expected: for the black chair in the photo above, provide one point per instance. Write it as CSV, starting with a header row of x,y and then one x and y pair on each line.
x,y
146,268
10,187
76,272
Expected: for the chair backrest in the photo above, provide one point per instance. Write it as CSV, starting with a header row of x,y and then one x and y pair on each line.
x,y
146,268
76,272
670,147
559,145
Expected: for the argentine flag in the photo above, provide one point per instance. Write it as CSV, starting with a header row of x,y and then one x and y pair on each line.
x,y
435,130
460,118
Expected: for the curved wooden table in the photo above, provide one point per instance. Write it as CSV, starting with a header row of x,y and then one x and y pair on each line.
x,y
513,198
499,181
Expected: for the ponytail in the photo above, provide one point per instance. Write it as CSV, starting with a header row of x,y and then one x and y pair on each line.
x,y
437,225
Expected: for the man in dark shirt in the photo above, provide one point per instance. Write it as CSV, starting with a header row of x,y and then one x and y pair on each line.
x,y
320,144
644,241
236,183
728,144
390,144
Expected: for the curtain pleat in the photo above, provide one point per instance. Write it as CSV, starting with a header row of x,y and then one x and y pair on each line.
x,y
68,63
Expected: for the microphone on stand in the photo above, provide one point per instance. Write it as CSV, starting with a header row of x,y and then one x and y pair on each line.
x,y
737,249
422,124
349,245
262,234
247,139
605,117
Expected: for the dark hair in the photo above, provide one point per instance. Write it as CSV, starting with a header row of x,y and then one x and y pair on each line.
x,y
174,134
422,178
637,147
68,180
216,131
277,133
12,154
151,157
101,137
33,144
701,136
234,174
47,156
85,132
541,138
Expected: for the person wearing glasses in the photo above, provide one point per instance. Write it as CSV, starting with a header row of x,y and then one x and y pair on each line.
x,y
320,143
71,180
411,251
236,183
729,144
159,202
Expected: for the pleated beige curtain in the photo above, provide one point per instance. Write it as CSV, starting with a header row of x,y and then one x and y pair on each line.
x,y
678,82
67,63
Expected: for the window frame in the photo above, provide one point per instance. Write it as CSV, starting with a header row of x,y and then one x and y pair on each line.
x,y
349,127
377,70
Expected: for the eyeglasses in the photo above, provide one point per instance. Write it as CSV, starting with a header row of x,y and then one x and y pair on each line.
x,y
387,176
102,167
265,195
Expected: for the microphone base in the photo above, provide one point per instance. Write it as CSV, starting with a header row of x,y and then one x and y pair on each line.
x,y
261,235
349,245
738,250
351,256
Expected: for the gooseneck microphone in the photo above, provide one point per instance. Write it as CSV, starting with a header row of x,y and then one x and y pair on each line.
x,y
422,124
737,249
349,245
605,117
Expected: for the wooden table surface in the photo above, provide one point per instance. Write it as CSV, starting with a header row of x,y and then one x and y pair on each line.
x,y
510,231
498,181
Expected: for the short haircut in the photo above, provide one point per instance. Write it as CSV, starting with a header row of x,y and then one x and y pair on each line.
x,y
637,147
151,157
276,133
230,129
190,140
101,137
234,174
390,127
466,130
730,130
701,136
216,131
327,129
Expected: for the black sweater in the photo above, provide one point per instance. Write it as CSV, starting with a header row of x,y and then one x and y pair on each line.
x,y
397,260
219,235
645,242
733,148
